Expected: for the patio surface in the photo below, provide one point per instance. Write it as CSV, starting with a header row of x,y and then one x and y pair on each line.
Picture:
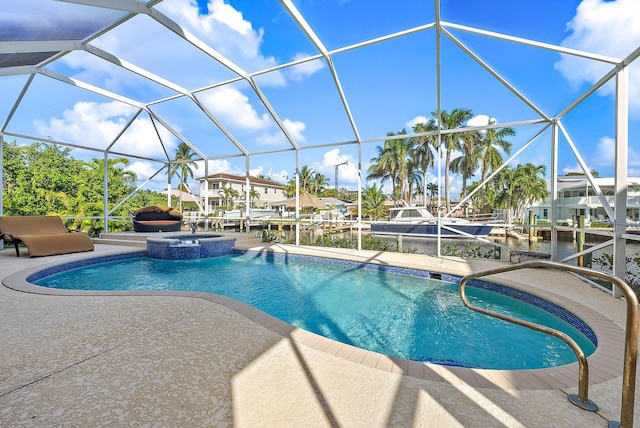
x,y
203,360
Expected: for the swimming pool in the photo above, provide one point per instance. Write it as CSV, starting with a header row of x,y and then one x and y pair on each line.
x,y
393,311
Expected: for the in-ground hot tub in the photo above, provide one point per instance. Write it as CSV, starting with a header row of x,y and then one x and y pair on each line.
x,y
189,247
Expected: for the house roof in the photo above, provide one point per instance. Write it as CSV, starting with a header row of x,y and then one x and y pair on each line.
x,y
241,179
185,196
335,201
307,200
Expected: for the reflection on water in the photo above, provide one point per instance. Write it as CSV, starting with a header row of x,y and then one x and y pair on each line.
x,y
429,246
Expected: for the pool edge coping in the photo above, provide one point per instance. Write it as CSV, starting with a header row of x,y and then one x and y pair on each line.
x,y
604,364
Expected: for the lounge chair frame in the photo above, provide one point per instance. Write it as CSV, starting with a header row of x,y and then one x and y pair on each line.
x,y
42,236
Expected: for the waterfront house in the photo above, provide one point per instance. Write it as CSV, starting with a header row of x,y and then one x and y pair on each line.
x,y
577,197
269,192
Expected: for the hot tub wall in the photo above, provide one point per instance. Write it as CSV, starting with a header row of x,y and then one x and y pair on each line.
x,y
166,249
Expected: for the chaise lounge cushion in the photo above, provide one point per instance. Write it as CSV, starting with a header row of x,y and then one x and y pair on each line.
x,y
157,218
43,235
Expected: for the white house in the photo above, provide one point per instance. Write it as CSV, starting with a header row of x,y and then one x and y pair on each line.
x,y
576,197
268,192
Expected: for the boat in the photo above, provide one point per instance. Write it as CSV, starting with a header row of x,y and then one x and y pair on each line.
x,y
419,222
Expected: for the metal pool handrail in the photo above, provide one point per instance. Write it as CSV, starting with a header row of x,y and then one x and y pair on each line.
x,y
631,335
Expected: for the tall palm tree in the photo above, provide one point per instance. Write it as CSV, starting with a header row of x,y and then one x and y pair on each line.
x,y
305,175
379,168
457,118
467,163
413,178
182,166
432,190
391,163
489,154
421,151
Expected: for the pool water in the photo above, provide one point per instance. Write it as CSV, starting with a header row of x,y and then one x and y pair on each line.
x,y
397,315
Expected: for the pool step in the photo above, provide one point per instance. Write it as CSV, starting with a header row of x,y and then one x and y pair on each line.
x,y
139,240
121,239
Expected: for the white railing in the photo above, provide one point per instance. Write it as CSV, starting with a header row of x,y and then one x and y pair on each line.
x,y
593,201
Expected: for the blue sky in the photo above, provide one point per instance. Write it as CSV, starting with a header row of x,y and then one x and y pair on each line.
x,y
388,85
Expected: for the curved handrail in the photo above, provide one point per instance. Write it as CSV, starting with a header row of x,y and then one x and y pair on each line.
x,y
631,333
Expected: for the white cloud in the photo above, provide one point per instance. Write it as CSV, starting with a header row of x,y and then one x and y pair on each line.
x,y
277,138
300,71
606,151
411,123
144,170
609,28
295,129
225,29
281,177
480,120
95,125
220,165
603,159
347,174
233,106
605,154
256,171
235,110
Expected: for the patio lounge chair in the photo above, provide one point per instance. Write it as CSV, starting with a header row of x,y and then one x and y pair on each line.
x,y
157,218
43,235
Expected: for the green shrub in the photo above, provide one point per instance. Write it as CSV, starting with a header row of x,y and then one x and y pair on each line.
x,y
468,251
600,224
368,243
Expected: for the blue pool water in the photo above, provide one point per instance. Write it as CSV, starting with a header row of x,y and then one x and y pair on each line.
x,y
398,315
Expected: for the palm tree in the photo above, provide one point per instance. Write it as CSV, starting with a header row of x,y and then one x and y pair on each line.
x,y
253,195
318,183
533,187
467,163
457,118
305,175
520,187
117,176
373,203
183,163
228,195
391,163
413,178
379,168
432,190
115,167
290,188
489,154
421,151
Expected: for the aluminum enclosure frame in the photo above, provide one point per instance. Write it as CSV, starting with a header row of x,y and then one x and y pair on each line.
x,y
131,8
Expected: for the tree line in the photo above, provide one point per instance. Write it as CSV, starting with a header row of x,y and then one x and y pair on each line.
x,y
44,179
406,161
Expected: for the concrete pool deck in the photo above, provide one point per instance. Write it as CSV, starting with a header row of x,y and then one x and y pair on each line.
x,y
158,360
